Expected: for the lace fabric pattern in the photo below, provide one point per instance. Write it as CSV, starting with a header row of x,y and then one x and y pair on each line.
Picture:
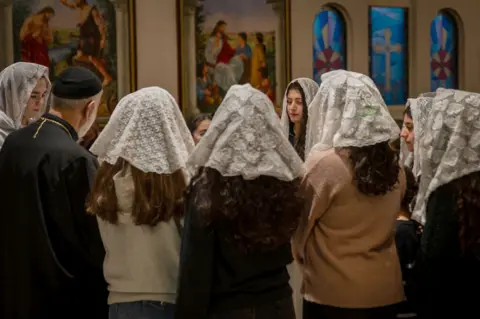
x,y
450,147
146,129
245,139
310,88
17,82
348,111
420,108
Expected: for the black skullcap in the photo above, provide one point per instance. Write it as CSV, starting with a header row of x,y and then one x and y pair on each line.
x,y
76,83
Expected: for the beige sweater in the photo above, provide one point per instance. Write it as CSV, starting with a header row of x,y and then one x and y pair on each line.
x,y
345,243
141,262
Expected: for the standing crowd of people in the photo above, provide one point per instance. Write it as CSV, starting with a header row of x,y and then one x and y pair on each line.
x,y
331,211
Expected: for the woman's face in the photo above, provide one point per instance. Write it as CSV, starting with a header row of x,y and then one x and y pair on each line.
x,y
36,100
407,132
294,106
200,130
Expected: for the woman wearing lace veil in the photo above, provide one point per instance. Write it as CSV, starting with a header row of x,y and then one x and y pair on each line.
x,y
414,120
138,200
448,205
24,90
241,211
298,96
355,187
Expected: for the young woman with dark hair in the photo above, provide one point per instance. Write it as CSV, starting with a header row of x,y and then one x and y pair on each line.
x,y
298,96
414,120
137,197
198,126
345,240
242,208
448,206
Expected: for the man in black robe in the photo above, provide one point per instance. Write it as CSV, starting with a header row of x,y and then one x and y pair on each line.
x,y
51,250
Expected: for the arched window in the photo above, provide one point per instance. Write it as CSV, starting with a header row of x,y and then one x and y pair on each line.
x,y
444,51
389,53
329,42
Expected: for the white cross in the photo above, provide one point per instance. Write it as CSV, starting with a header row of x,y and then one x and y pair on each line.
x,y
387,49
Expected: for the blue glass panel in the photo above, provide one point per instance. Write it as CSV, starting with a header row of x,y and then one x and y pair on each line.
x,y
443,52
328,42
388,53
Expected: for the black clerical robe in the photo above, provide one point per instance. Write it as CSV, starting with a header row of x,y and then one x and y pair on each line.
x,y
51,250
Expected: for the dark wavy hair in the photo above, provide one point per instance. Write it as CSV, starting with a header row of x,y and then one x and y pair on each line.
x,y
410,191
466,191
299,144
256,215
376,168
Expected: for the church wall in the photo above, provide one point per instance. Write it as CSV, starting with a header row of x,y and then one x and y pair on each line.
x,y
157,49
421,14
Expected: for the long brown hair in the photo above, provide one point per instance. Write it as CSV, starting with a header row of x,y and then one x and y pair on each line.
x,y
256,215
299,144
157,197
376,168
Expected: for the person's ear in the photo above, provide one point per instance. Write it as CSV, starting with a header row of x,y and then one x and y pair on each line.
x,y
88,109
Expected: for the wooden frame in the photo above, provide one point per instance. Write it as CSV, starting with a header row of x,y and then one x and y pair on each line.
x,y
63,50
186,10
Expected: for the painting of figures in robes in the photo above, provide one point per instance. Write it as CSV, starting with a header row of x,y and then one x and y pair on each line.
x,y
63,33
388,52
235,43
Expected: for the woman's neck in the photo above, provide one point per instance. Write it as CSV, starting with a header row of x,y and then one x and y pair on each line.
x,y
297,129
403,215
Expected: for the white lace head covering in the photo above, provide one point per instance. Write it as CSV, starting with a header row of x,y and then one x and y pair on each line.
x,y
310,88
348,110
146,129
17,82
419,108
450,145
245,139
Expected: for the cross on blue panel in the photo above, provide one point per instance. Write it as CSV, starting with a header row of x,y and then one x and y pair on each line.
x,y
388,53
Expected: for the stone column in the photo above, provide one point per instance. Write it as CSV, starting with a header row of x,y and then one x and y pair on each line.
x,y
189,57
6,28
123,50
280,62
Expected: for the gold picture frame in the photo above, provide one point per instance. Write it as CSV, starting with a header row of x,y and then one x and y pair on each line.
x,y
65,45
274,72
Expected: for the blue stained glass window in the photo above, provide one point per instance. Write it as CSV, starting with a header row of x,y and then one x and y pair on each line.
x,y
329,37
443,52
388,53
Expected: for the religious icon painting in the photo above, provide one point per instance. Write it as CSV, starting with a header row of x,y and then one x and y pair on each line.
x,y
63,33
443,52
235,42
329,42
388,52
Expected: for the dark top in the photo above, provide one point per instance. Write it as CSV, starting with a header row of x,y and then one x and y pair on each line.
x,y
448,282
51,250
90,35
215,276
407,240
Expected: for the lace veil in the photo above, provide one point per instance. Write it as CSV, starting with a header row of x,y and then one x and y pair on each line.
x,y
310,88
348,110
245,139
17,82
146,129
450,145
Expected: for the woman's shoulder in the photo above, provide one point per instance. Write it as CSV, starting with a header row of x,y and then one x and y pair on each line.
x,y
325,159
